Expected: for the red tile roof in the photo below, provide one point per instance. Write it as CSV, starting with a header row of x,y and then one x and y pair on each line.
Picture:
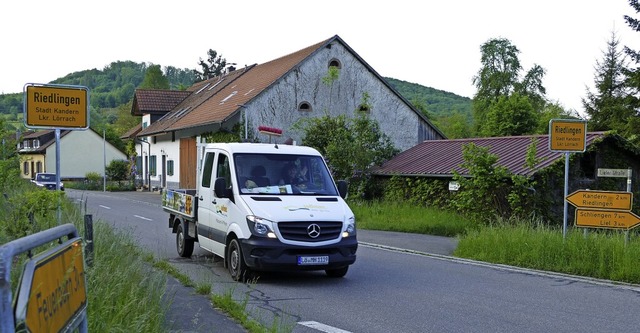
x,y
156,100
217,99
439,158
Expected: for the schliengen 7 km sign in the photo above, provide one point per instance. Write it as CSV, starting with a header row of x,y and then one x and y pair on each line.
x,y
567,135
56,106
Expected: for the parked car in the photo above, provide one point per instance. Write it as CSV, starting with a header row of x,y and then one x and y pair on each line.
x,y
47,180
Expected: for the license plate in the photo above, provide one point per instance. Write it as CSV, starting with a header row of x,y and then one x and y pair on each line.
x,y
318,260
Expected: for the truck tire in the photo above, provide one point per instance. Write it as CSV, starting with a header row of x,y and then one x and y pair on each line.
x,y
337,272
183,244
235,262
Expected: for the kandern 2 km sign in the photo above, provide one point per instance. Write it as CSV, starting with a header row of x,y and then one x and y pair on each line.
x,y
56,106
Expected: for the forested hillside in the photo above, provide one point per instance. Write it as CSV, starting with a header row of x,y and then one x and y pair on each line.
x,y
438,103
112,88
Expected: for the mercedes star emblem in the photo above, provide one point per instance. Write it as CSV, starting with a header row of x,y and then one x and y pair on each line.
x,y
313,230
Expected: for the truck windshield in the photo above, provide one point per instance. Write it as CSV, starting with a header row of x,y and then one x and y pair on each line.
x,y
278,174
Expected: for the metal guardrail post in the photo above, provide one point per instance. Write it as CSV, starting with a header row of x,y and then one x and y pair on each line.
x,y
88,238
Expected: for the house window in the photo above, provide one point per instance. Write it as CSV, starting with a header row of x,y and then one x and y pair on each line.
x,y
25,143
36,143
152,165
138,164
144,124
25,168
170,167
38,167
304,106
335,63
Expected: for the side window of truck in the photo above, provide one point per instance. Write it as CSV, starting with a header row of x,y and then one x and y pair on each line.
x,y
206,170
223,169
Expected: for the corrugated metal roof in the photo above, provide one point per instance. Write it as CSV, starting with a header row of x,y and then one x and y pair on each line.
x,y
442,157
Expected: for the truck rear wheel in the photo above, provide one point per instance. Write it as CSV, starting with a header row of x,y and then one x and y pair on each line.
x,y
235,262
183,244
337,272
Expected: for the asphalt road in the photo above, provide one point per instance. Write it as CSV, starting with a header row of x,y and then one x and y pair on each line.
x,y
399,283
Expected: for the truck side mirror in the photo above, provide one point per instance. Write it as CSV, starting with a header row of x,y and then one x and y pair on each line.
x,y
343,188
220,188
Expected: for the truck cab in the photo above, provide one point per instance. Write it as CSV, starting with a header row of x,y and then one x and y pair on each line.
x,y
268,207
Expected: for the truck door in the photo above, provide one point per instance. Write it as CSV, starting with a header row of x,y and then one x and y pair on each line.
x,y
207,205
225,209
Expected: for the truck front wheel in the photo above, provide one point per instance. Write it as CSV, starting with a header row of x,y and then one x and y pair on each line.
x,y
235,262
183,244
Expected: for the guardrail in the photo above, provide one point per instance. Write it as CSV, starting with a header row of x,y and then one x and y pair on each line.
x,y
52,295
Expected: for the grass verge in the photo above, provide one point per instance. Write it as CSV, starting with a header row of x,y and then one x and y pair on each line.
x,y
602,254
403,217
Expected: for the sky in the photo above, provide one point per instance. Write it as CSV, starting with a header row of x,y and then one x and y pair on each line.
x,y
432,43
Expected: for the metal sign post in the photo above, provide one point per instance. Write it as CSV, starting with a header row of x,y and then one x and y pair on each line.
x,y
567,135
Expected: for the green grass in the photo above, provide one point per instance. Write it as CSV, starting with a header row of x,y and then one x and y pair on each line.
x,y
598,254
125,295
603,254
402,217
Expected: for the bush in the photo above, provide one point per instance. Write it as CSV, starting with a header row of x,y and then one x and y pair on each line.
x,y
118,170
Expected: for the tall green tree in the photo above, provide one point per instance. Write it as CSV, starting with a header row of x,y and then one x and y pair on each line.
x,y
632,80
500,85
553,110
154,79
350,145
607,107
214,65
510,115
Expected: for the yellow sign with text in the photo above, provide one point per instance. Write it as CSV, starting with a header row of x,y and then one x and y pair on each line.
x,y
58,291
56,107
601,199
606,219
567,135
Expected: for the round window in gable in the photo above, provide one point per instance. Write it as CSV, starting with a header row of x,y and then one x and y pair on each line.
x,y
335,63
304,106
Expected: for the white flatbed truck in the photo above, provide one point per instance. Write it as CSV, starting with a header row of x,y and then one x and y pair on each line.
x,y
247,211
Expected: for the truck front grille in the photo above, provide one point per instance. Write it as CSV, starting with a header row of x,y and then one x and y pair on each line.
x,y
304,231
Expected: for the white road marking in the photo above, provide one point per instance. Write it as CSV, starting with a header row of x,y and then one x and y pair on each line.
x,y
322,327
105,207
143,218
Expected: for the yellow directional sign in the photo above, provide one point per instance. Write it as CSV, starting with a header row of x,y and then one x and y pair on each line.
x,y
601,199
606,219
567,135
56,106
58,291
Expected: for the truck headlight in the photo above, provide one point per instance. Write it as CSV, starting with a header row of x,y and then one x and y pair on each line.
x,y
351,227
260,227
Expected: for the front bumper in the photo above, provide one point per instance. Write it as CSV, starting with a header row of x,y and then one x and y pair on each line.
x,y
266,254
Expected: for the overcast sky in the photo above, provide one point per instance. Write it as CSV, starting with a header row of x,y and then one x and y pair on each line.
x,y
432,43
